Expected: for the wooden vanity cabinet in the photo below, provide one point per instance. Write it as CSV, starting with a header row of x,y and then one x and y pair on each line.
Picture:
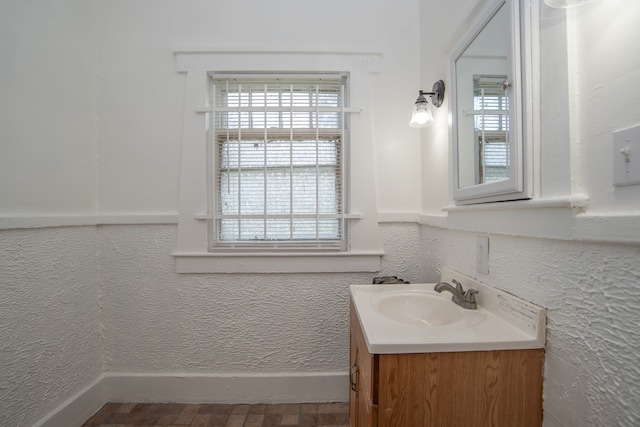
x,y
458,389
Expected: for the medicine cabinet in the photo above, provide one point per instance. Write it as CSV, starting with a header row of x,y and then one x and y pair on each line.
x,y
492,97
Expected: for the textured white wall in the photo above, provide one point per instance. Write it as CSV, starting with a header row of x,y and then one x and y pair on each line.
x,y
157,321
50,338
53,280
79,301
591,293
91,123
590,81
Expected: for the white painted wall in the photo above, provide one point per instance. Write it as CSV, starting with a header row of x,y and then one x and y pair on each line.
x,y
50,341
588,83
91,126
141,94
47,112
157,322
590,80
604,82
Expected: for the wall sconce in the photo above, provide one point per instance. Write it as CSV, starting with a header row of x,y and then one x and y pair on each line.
x,y
421,115
565,4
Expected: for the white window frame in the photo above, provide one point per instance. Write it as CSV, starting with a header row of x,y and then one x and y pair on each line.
x,y
363,252
287,130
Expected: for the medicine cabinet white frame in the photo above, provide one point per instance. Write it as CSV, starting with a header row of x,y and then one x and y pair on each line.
x,y
522,56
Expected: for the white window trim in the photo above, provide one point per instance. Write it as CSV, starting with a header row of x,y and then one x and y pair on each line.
x,y
339,132
192,256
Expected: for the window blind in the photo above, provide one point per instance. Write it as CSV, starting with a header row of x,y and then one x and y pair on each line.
x,y
491,123
494,153
278,156
491,103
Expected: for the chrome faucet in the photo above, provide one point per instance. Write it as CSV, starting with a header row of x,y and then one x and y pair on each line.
x,y
465,299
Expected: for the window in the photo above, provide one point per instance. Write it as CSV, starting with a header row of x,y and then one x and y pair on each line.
x,y
277,162
275,169
491,128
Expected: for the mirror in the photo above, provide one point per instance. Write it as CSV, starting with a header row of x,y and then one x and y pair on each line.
x,y
490,148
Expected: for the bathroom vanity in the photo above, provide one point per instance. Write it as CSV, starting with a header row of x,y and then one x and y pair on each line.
x,y
481,370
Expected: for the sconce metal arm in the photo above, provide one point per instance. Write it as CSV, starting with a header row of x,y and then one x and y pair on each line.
x,y
436,94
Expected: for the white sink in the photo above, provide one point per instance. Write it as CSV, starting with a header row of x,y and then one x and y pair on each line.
x,y
422,308
413,318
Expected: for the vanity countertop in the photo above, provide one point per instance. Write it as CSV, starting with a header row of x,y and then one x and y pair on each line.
x,y
501,322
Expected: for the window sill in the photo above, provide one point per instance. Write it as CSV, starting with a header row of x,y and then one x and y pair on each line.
x,y
562,218
544,218
577,202
342,262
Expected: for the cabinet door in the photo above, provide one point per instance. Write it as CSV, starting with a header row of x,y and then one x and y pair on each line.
x,y
353,381
471,389
363,396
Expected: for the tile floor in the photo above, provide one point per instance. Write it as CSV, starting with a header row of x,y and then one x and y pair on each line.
x,y
219,415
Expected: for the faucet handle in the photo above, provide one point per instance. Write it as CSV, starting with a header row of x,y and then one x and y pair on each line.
x,y
469,295
458,286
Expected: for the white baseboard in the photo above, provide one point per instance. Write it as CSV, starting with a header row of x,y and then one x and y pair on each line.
x,y
78,408
190,388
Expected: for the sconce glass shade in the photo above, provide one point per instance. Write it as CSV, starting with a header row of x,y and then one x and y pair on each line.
x,y
421,116
565,4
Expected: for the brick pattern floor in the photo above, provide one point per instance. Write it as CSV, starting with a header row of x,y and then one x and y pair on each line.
x,y
218,415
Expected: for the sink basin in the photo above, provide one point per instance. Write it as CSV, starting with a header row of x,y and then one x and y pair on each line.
x,y
413,318
417,308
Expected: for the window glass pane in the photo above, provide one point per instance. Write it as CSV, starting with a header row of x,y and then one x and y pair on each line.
x,y
278,160
304,229
252,192
252,229
228,229
327,228
491,122
278,229
279,192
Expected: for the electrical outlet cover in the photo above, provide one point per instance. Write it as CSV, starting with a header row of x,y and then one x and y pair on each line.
x,y
482,254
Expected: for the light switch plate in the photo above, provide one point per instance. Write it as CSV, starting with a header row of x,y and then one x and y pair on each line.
x,y
626,156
